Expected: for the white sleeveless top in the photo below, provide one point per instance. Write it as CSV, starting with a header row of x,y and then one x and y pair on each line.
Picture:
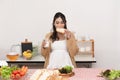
x,y
59,57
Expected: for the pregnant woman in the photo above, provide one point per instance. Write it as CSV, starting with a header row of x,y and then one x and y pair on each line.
x,y
59,46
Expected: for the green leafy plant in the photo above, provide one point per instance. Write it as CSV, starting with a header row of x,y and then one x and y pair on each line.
x,y
110,74
6,71
66,69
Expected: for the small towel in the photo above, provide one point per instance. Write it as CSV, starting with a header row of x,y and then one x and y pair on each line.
x,y
3,63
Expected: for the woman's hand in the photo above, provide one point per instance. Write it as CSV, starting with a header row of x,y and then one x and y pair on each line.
x,y
67,33
43,44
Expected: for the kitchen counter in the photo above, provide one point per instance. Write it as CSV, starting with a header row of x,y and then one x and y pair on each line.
x,y
39,59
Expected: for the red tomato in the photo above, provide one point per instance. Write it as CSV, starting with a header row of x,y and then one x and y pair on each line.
x,y
17,76
22,73
18,71
12,76
15,72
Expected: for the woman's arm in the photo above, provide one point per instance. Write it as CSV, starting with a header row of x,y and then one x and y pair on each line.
x,y
72,45
45,50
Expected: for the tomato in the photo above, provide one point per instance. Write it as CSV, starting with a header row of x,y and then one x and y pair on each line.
x,y
22,73
15,72
12,76
18,71
17,75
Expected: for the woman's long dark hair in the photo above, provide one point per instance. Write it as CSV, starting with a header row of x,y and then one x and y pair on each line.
x,y
54,35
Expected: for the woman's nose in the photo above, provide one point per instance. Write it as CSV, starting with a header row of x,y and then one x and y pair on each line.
x,y
60,25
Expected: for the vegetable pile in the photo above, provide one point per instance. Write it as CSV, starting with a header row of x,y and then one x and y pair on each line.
x,y
14,73
110,74
65,69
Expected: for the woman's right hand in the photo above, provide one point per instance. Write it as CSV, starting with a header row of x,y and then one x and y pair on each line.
x,y
43,44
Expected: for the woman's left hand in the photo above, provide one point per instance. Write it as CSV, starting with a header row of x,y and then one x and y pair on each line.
x,y
67,33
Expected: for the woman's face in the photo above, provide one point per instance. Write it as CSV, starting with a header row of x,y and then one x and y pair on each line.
x,y
59,23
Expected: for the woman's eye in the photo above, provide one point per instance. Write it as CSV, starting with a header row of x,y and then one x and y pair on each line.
x,y
62,22
57,22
